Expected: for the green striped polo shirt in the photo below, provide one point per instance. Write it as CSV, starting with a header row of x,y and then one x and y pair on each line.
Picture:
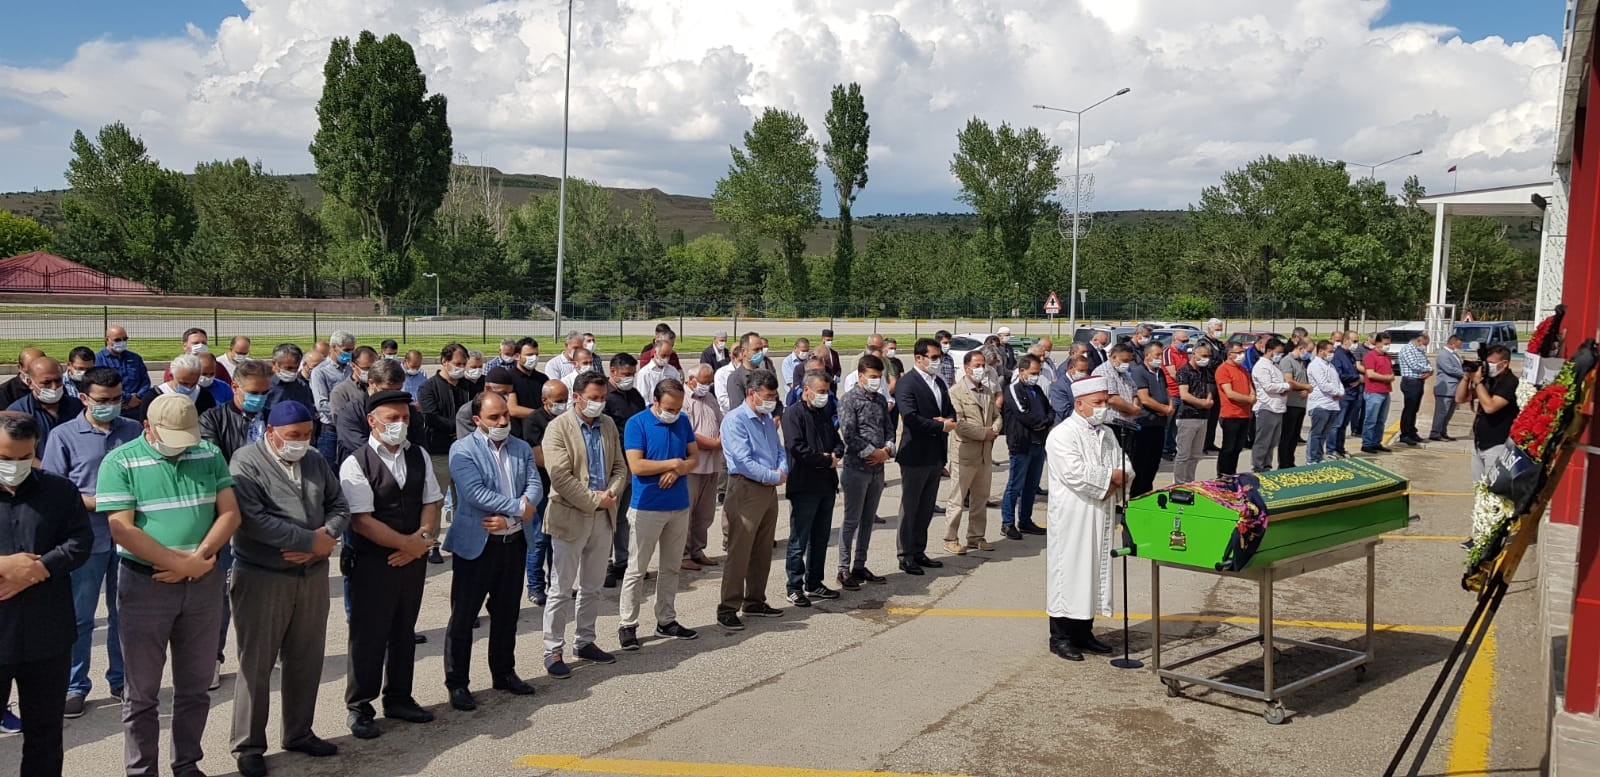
x,y
173,503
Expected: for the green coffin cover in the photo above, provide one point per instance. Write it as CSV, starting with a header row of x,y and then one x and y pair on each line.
x,y
1309,508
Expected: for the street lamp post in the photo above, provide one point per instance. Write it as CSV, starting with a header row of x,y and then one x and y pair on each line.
x,y
1372,170
1077,187
435,277
561,202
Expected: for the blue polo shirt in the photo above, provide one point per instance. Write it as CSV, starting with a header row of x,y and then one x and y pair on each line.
x,y
659,442
75,452
135,376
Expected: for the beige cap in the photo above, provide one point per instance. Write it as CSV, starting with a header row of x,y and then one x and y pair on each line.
x,y
174,419
1005,330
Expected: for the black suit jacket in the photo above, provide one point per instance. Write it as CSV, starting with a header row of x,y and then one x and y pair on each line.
x,y
925,442
709,356
1096,357
45,517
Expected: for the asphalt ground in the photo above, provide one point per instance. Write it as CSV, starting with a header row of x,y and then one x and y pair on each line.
x,y
948,674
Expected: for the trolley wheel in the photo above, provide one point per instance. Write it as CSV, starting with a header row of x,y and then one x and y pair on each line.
x,y
1173,691
1361,673
1275,714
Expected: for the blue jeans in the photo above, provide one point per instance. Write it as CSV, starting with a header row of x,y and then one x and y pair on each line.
x,y
1022,482
99,571
810,522
1376,417
1349,410
225,566
1320,439
328,446
538,560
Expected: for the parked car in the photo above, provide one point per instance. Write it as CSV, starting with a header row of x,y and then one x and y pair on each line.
x,y
1401,333
1247,338
1476,335
971,341
1118,334
1190,327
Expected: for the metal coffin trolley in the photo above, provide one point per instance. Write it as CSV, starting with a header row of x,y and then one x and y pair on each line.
x,y
1319,516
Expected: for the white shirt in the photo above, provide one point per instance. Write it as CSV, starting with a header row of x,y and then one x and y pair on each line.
x,y
1326,390
933,385
502,466
719,384
358,492
1271,389
559,367
786,371
649,375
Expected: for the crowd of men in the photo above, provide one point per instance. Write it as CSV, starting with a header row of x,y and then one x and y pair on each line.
x,y
221,494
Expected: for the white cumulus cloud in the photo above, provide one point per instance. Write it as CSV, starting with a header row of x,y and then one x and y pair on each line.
x,y
662,87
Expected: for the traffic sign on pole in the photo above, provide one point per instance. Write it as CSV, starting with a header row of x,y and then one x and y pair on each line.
x,y
1052,304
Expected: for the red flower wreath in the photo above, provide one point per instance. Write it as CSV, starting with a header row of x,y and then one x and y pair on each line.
x,y
1540,344
1536,341
1531,431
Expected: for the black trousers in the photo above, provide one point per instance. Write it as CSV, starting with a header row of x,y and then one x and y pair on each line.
x,y
1293,419
41,696
1411,390
384,602
1145,456
1212,416
1233,436
495,574
919,488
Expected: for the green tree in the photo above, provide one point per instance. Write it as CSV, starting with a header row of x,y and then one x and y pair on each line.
x,y
846,154
382,148
1483,266
125,214
255,235
20,235
772,188
1007,177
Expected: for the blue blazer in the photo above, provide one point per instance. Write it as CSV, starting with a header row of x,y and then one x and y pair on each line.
x,y
477,484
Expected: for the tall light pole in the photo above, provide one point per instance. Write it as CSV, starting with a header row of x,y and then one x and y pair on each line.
x,y
1372,170
561,201
435,277
1077,186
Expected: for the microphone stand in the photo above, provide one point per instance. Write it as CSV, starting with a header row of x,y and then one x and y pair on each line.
x,y
1125,662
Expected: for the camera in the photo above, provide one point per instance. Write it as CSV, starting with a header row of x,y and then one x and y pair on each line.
x,y
1470,367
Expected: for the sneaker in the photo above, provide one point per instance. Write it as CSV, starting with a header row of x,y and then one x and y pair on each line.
x,y
984,545
592,652
822,592
628,637
762,610
847,581
536,598
9,722
796,598
74,707
676,631
612,579
1010,533
730,621
216,678
116,693
555,667
956,548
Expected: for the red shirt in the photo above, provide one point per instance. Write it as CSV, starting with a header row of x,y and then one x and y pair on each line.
x,y
1175,360
1378,362
1233,376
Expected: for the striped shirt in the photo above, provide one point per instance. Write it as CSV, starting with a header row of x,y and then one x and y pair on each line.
x,y
1413,362
173,503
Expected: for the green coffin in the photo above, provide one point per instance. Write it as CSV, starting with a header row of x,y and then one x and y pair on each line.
x,y
1308,509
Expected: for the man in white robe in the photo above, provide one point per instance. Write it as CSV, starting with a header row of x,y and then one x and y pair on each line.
x,y
1086,476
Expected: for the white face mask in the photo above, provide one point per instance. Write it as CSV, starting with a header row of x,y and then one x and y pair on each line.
x,y
455,373
588,345
393,433
874,384
1277,357
625,383
169,451
288,376
207,380
49,396
722,345
768,406
827,343
12,473
1495,368
474,373
979,373
665,416
661,361
701,389
119,346
76,375
1202,361
498,433
889,354
413,370
819,401
530,362
1097,416
1031,380
557,408
198,348
293,450
592,409
1238,359
1123,367
1076,375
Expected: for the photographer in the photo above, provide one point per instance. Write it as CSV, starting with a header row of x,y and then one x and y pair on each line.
x,y
1493,389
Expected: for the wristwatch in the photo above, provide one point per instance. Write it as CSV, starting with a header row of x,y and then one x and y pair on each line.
x,y
427,535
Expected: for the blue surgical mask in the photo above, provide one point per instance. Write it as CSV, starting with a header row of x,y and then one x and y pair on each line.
x,y
757,357
344,358
104,413
254,403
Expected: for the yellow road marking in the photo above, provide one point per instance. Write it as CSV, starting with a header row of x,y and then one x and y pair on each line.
x,y
1437,537
578,763
953,612
1469,744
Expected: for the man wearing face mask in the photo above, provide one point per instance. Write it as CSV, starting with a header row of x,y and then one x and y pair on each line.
x,y
506,357
1060,396
716,354
1086,478
622,404
978,423
813,448
1448,362
1026,414
793,362
565,363
754,349
893,368
830,356
705,417
238,353
923,402
1120,390
1173,358
292,515
663,332
1271,388
661,450
170,504
48,537
719,379
553,402
353,389
1492,390
415,376
287,383
196,343
75,452
498,382
582,362
475,372
389,349
324,378
757,465
946,369
243,421
79,361
1294,415
868,431
351,420
526,380
185,382
1236,393
656,368
1327,391
127,363
499,492
47,404
1197,396
221,391
17,388
1215,338
440,398
393,496
1149,382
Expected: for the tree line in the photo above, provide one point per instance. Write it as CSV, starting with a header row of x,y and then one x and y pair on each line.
x,y
402,211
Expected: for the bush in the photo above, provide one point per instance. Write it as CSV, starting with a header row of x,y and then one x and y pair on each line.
x,y
1187,307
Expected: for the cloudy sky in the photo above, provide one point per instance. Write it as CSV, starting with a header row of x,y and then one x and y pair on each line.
x,y
661,87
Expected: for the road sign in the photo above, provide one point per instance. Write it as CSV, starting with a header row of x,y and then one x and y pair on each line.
x,y
1052,305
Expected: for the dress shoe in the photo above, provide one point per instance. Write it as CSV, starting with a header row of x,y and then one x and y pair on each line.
x,y
419,638
1210,451
1385,449
847,581
1435,438
1368,449
700,558
314,746
911,568
689,565
555,667
514,685
1010,533
1089,643
1032,529
938,509
612,579
991,503
409,711
1447,438
362,726
865,575
730,621
253,765
592,652
477,622
983,545
75,706
762,610
1066,649
434,557
461,699
876,519
956,548
923,561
